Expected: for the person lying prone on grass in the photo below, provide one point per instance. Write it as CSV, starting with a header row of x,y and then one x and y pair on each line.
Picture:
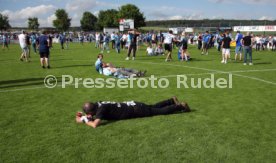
x,y
109,69
98,111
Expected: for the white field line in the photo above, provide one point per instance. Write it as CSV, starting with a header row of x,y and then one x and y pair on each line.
x,y
218,71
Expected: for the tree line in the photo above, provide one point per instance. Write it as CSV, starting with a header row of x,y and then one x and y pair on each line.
x,y
88,22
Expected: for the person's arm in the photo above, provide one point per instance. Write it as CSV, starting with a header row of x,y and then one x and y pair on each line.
x,y
174,39
94,123
78,119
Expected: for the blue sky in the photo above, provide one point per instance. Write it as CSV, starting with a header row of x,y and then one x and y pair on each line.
x,y
19,10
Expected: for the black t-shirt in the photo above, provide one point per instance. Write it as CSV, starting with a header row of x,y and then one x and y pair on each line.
x,y
28,40
184,44
133,38
247,41
226,42
118,111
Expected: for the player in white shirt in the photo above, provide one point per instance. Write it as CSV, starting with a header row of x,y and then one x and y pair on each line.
x,y
97,38
123,41
112,40
23,45
258,43
169,38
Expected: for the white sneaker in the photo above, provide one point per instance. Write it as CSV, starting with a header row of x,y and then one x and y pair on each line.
x,y
127,58
202,53
250,64
133,58
207,53
222,61
225,62
244,64
108,51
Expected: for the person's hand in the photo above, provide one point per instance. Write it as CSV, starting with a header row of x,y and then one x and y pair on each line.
x,y
79,114
78,119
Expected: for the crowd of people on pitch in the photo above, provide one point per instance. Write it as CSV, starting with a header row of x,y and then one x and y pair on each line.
x,y
157,43
260,42
243,44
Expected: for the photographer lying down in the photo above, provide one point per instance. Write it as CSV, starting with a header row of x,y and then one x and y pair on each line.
x,y
95,112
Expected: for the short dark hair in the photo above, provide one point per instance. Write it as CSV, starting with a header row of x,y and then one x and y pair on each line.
x,y
170,31
88,108
100,55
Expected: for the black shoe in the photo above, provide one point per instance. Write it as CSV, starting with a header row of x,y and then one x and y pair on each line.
x,y
48,67
43,67
186,107
21,59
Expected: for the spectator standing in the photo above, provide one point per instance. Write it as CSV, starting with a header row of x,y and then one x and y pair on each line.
x,y
169,38
33,41
23,45
247,43
113,40
5,41
44,44
97,38
117,42
225,48
206,42
132,44
238,50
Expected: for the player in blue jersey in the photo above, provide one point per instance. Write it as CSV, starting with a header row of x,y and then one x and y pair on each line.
x,y
33,41
44,44
238,39
206,41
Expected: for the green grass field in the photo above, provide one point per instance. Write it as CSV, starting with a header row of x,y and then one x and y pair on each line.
x,y
226,125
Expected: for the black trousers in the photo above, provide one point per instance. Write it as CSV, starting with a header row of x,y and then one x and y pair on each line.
x,y
132,48
199,46
62,43
113,44
161,108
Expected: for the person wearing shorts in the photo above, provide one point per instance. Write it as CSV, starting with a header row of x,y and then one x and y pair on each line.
x,y
106,110
205,43
238,50
23,45
225,48
44,43
184,47
169,38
